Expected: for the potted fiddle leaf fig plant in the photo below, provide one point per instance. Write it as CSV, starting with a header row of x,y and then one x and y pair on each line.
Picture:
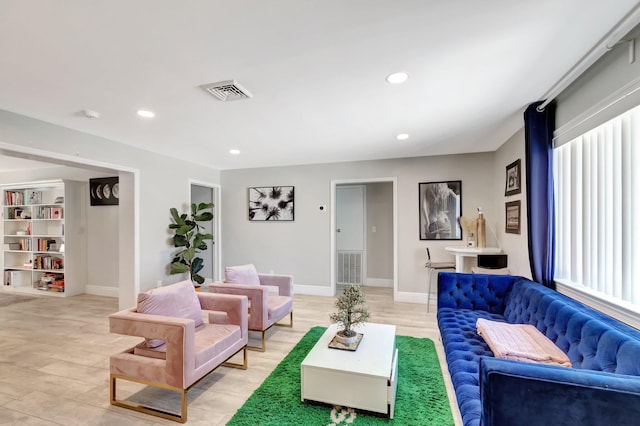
x,y
352,310
190,237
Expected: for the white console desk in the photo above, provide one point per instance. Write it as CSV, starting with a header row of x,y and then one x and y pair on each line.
x,y
462,252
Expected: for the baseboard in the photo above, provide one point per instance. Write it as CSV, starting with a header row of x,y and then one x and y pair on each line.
x,y
379,282
312,290
407,297
99,290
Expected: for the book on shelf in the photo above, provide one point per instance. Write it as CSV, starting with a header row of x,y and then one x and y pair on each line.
x,y
14,198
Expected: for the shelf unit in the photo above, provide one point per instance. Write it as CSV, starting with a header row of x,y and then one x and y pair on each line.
x,y
43,235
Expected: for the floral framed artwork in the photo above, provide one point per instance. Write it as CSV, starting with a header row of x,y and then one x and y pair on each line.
x,y
440,206
512,217
513,179
271,203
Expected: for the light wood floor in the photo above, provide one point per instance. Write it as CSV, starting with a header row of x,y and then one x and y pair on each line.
x,y
54,361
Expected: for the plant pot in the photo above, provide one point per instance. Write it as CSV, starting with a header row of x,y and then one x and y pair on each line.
x,y
346,340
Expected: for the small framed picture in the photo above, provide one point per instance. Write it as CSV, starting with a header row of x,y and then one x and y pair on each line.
x,y
104,191
512,184
271,203
512,217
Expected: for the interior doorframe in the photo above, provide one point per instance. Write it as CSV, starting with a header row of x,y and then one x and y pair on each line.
x,y
334,184
217,238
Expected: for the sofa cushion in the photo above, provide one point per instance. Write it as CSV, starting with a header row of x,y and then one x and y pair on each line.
x,y
279,306
176,300
242,274
213,339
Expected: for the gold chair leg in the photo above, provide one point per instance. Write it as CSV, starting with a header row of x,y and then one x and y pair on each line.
x,y
245,361
290,325
262,347
182,417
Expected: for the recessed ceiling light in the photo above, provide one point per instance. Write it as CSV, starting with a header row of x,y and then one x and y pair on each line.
x,y
146,114
234,151
397,77
402,136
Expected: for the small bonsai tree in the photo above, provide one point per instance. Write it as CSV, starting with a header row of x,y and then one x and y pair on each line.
x,y
188,236
352,310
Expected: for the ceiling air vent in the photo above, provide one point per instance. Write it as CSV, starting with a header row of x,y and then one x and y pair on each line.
x,y
228,90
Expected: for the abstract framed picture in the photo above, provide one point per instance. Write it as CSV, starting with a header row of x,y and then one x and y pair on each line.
x,y
440,206
512,217
271,203
104,191
512,181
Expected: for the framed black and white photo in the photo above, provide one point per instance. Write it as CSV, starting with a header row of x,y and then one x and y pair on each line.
x,y
104,191
271,203
512,181
440,207
512,217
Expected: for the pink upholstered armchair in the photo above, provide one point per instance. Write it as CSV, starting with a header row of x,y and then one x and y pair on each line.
x,y
265,309
179,347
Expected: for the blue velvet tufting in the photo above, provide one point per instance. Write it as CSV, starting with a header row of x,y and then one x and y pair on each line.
x,y
600,348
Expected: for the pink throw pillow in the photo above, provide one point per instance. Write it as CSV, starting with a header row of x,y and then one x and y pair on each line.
x,y
243,274
176,300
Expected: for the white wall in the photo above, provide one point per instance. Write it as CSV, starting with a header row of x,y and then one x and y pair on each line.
x,y
163,183
515,245
302,247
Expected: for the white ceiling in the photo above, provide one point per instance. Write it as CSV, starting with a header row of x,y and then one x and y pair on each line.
x,y
316,69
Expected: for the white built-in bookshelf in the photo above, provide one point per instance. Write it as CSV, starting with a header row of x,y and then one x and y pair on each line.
x,y
43,227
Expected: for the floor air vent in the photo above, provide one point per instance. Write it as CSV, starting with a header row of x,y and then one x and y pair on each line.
x,y
228,90
349,267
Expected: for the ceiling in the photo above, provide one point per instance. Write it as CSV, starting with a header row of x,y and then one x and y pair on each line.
x,y
316,70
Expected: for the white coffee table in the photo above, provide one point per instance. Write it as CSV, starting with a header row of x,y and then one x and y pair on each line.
x,y
365,378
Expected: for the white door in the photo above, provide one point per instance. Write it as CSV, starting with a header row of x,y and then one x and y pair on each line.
x,y
350,233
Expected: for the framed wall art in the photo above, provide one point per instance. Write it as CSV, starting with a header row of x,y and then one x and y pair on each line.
x,y
513,179
271,203
104,191
512,217
440,206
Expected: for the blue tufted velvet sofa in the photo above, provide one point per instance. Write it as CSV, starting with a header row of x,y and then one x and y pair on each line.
x,y
602,388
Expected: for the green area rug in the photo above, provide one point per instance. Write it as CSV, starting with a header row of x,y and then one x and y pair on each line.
x,y
421,398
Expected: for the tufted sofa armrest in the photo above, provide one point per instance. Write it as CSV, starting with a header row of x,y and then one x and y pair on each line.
x,y
474,291
532,394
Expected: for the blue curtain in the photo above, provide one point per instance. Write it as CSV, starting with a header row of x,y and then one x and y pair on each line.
x,y
538,127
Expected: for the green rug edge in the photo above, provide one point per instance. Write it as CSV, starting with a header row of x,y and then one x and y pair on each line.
x,y
421,398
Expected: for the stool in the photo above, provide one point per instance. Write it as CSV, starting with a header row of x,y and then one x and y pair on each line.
x,y
435,267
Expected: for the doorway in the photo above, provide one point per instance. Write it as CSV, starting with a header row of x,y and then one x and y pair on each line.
x,y
201,192
350,234
344,193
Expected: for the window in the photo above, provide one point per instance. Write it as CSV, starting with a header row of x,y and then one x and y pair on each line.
x,y
597,190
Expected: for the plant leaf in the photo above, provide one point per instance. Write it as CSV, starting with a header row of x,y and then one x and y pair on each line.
x,y
179,241
204,217
203,206
196,265
189,254
197,278
179,268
